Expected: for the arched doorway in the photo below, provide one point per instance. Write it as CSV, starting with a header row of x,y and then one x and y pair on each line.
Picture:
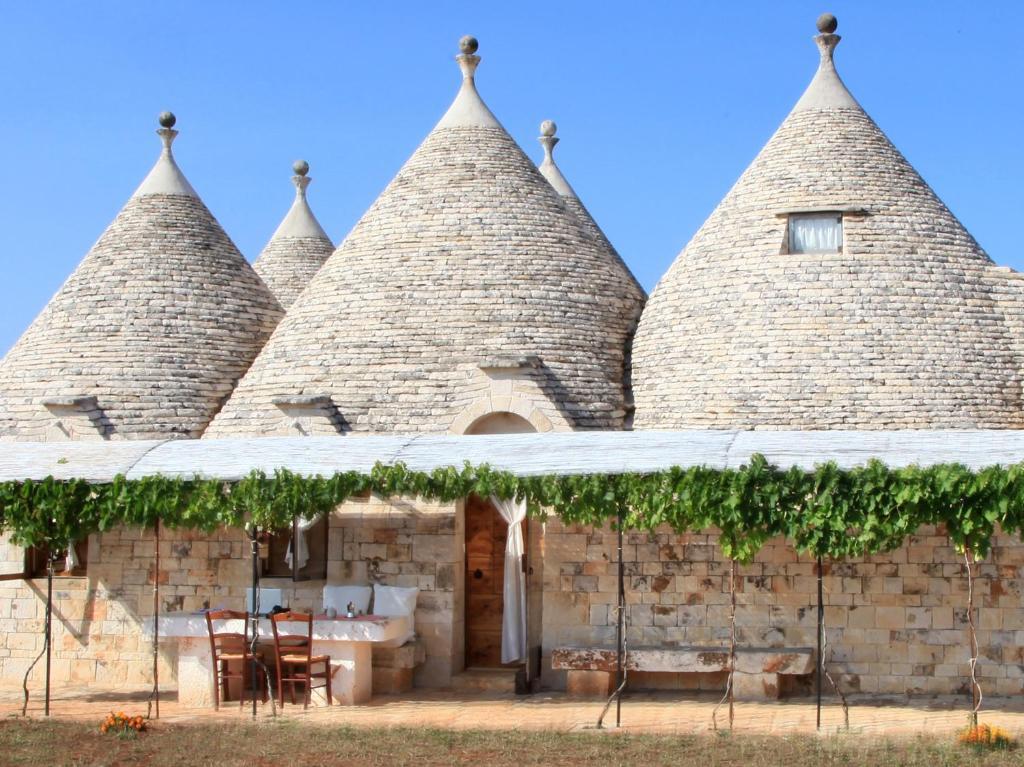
x,y
486,537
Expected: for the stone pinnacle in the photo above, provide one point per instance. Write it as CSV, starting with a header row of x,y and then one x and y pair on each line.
x,y
827,23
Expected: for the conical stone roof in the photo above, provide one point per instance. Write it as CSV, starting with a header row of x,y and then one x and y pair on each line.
x,y
149,334
903,328
297,249
467,255
550,170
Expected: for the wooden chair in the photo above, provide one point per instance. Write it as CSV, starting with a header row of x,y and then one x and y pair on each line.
x,y
227,648
295,659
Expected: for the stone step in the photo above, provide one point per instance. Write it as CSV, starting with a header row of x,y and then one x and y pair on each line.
x,y
485,680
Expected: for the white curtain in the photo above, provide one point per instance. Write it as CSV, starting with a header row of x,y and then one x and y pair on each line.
x,y
299,542
815,234
513,618
71,562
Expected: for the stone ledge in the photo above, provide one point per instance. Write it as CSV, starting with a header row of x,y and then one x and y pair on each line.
x,y
499,363
301,400
686,659
83,402
850,210
592,671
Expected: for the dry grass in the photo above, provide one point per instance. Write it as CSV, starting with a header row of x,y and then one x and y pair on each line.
x,y
34,742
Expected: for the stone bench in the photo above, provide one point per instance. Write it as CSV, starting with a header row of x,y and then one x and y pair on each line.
x,y
591,670
393,666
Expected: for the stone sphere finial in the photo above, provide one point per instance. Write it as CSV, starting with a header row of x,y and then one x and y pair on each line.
x,y
827,23
167,119
468,44
548,128
301,167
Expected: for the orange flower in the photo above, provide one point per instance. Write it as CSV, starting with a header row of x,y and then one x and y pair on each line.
x,y
986,736
121,722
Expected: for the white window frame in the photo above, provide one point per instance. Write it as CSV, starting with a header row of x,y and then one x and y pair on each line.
x,y
835,216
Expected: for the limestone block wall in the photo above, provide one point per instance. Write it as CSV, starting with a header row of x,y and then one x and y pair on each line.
x,y
895,623
98,618
408,542
11,557
98,623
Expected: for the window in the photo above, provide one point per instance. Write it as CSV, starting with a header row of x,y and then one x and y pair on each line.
x,y
311,562
816,233
63,565
17,563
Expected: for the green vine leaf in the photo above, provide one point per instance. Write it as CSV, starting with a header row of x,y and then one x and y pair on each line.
x,y
828,512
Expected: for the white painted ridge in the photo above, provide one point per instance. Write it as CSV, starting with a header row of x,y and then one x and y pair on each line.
x,y
468,110
827,90
300,221
166,177
548,169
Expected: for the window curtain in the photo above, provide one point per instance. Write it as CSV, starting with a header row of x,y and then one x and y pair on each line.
x,y
815,234
513,617
299,542
71,562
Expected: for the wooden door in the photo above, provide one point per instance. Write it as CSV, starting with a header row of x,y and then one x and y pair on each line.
x,y
485,578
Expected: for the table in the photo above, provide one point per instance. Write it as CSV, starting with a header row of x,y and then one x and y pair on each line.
x,y
347,640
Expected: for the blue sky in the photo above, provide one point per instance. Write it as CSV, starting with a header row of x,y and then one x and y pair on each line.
x,y
660,107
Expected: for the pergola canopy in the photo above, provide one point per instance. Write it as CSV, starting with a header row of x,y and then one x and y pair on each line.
x,y
561,453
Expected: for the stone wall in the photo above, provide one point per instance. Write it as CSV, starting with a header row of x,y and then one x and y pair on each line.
x,y
98,618
403,542
896,623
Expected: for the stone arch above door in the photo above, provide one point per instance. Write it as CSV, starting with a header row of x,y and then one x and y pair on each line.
x,y
475,416
501,423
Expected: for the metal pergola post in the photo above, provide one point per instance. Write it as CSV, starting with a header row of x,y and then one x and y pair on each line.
x,y
48,628
156,618
254,615
821,631
619,633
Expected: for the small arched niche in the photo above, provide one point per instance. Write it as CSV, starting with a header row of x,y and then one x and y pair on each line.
x,y
501,423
